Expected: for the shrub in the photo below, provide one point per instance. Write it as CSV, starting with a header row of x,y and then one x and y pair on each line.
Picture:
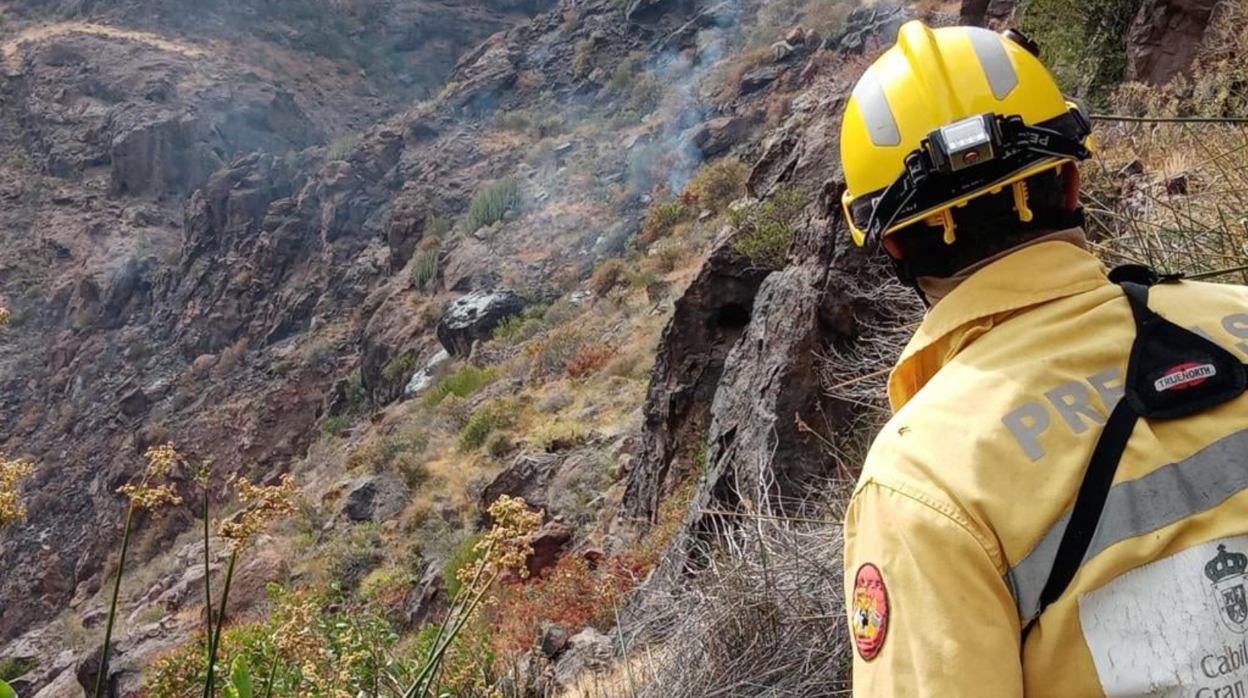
x,y
590,360
518,328
492,204
378,455
356,393
341,147
1085,43
661,218
463,383
518,120
500,445
429,253
489,417
719,184
399,369
765,229
549,355
647,94
11,668
583,57
335,426
559,435
608,275
622,77
425,268
571,594
463,557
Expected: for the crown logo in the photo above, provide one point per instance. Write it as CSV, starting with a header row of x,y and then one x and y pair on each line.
x,y
1226,565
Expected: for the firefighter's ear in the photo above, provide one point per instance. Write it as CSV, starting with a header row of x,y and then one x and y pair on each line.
x,y
1071,182
893,246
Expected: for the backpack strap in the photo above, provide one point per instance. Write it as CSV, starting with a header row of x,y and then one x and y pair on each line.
x,y
1172,372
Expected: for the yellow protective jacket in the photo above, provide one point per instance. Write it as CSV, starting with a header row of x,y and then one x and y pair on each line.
x,y
998,402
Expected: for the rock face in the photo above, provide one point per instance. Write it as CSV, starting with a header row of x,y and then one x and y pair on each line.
x,y
708,320
1165,38
994,14
588,650
473,317
375,498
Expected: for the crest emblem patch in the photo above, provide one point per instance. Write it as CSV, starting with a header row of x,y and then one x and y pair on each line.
x,y
870,614
1228,574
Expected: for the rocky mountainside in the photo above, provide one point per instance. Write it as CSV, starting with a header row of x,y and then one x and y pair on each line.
x,y
423,255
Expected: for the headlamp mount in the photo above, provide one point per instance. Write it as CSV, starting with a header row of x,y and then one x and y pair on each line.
x,y
967,156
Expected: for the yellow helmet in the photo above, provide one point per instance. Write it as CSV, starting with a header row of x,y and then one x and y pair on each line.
x,y
948,115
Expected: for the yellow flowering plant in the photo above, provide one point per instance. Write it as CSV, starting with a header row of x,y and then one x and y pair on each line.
x,y
12,472
150,493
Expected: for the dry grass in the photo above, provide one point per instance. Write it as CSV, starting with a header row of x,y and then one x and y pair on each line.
x,y
764,619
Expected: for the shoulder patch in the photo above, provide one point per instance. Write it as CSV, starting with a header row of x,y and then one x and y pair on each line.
x,y
870,614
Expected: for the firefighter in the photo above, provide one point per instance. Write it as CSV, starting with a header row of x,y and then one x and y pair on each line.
x,y
1058,507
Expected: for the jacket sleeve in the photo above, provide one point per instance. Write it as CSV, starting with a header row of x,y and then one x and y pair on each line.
x,y
930,614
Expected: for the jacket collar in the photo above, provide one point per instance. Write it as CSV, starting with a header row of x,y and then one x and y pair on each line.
x,y
1037,274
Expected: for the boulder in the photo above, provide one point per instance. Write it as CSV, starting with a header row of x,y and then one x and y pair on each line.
x,y
588,650
754,80
135,403
526,477
549,543
427,602
719,135
375,498
554,640
1165,38
473,318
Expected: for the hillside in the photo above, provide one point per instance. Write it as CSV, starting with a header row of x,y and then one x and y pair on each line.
x,y
422,258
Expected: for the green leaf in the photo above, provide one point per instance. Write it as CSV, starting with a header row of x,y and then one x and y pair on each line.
x,y
6,691
240,679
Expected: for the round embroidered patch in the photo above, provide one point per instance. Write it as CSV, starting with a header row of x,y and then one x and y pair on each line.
x,y
870,612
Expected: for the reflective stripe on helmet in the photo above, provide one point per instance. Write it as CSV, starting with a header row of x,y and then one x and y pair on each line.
x,y
873,105
1002,78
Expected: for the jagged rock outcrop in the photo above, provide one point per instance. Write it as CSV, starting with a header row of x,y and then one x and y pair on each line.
x,y
708,320
1166,37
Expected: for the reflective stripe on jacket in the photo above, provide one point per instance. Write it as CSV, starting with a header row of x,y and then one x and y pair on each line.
x,y
950,536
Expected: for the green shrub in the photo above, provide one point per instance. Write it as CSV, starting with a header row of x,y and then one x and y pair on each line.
x,y
488,418
765,229
648,92
341,147
622,77
492,204
557,436
583,57
356,393
379,455
661,218
335,426
1085,43
464,556
399,369
517,329
464,383
425,268
718,184
12,668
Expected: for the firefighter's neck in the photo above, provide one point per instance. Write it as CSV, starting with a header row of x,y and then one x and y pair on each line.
x,y
935,289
